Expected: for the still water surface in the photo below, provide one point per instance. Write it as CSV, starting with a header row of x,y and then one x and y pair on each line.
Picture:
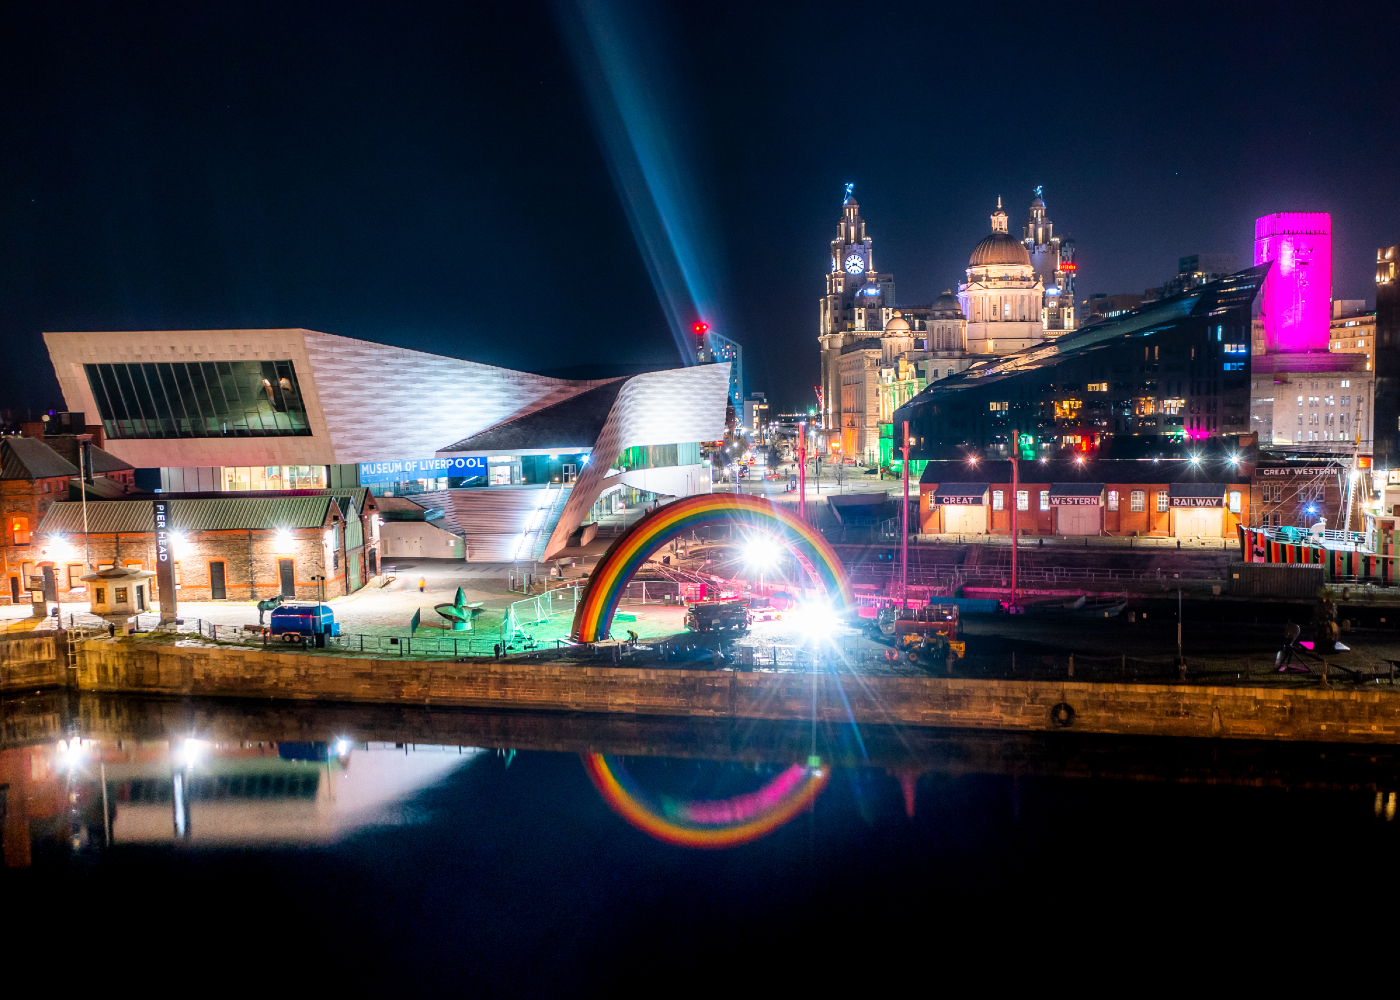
x,y
421,852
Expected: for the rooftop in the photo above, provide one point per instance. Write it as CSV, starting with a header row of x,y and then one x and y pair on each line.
x,y
29,459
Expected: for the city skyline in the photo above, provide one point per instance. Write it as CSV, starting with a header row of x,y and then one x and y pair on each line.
x,y
390,178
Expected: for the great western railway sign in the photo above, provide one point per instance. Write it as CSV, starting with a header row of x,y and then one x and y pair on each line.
x,y
1197,501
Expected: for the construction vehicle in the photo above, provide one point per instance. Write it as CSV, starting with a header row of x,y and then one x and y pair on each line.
x,y
926,635
718,616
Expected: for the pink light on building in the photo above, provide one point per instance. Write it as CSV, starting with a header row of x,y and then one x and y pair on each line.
x,y
1295,302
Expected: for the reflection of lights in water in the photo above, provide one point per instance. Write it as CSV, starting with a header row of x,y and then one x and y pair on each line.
x,y
193,751
1385,806
710,823
69,754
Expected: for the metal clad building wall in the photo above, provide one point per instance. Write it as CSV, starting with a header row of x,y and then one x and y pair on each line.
x,y
683,404
1275,580
386,402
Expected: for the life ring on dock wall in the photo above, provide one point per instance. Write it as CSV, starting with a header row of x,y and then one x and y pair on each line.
x,y
1062,715
892,655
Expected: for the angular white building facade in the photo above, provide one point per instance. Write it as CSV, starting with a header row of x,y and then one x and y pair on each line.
x,y
198,404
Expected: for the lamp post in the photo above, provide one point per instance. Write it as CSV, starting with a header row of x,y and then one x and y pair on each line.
x,y
1015,503
904,528
802,470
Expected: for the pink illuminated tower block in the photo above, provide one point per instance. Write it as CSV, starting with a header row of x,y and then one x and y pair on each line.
x,y
1295,302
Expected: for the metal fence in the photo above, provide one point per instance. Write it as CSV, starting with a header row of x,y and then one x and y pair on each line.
x,y
538,610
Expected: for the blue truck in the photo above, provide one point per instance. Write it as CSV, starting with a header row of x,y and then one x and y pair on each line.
x,y
304,623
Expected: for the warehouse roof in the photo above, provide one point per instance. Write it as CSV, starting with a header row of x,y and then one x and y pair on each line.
x,y
242,513
29,458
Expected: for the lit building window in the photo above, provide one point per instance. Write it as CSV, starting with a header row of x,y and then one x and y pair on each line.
x,y
998,503
1234,501
1163,502
1112,499
1138,501
1023,499
1098,387
1044,499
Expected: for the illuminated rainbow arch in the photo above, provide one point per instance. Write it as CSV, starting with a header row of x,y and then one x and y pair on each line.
x,y
644,539
711,823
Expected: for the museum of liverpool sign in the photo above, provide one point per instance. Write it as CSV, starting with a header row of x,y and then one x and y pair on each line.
x,y
421,468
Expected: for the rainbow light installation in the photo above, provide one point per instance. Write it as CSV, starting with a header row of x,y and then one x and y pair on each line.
x,y
1296,300
710,824
644,539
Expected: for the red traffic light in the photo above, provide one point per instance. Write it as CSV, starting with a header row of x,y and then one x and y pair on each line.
x,y
699,327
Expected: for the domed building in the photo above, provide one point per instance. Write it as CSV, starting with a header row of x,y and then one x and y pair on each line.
x,y
1002,297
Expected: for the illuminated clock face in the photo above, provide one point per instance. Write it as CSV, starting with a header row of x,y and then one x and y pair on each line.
x,y
855,264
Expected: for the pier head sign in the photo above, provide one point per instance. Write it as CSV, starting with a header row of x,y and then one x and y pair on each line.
x,y
422,468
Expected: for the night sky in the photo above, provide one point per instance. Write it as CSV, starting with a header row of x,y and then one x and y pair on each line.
x,y
431,176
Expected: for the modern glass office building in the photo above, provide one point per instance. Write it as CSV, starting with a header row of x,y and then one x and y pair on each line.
x,y
1147,383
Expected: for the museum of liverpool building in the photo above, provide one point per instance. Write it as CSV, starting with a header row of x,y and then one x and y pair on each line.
x,y
510,463
1137,425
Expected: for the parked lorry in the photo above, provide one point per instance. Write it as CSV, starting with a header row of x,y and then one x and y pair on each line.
x,y
304,623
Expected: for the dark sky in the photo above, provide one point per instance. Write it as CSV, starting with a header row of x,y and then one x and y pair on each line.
x,y
429,176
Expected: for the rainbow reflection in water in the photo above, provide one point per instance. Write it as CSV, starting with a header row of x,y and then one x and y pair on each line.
x,y
709,823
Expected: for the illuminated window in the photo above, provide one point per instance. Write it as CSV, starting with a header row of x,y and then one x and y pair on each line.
x,y
1173,406
1346,383
1163,502
998,407
1112,499
19,528
998,503
1331,401
1023,499
1234,501
1044,499
1236,348
1361,343
1098,387
1067,409
1138,501
1145,406
1300,400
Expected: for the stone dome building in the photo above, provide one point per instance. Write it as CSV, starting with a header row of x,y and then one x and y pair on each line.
x,y
1002,297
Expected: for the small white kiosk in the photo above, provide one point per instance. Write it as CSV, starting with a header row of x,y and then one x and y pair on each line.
x,y
120,592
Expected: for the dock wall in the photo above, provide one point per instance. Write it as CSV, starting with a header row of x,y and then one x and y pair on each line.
x,y
1336,714
31,662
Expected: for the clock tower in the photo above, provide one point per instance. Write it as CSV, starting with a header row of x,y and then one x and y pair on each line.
x,y
857,303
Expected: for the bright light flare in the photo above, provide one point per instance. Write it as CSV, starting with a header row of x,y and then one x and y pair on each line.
x,y
815,619
762,551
